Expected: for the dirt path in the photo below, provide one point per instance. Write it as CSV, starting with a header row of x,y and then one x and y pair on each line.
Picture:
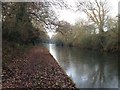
x,y
38,69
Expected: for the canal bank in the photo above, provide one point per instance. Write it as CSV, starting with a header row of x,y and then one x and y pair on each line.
x,y
37,69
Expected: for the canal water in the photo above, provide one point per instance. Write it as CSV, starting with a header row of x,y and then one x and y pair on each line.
x,y
87,69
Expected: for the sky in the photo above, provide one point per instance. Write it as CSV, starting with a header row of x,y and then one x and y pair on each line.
x,y
71,16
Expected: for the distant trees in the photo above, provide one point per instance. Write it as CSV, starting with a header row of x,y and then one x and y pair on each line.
x,y
26,23
64,32
83,35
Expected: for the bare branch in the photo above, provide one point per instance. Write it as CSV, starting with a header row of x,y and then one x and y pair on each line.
x,y
97,11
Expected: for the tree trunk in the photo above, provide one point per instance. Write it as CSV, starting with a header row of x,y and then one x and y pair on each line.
x,y
101,30
101,38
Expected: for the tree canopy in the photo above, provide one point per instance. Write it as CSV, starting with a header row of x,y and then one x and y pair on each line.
x,y
97,11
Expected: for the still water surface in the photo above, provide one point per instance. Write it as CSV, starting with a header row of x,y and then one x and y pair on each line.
x,y
87,69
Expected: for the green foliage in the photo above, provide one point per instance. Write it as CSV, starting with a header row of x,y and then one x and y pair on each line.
x,y
85,36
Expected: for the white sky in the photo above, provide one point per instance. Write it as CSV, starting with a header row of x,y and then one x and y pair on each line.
x,y
71,17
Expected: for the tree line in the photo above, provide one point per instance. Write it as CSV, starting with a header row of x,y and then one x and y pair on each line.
x,y
99,32
18,24
28,22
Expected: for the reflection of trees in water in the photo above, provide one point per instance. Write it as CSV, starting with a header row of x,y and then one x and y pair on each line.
x,y
98,76
99,68
63,57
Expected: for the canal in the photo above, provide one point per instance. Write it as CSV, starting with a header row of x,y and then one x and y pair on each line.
x,y
87,69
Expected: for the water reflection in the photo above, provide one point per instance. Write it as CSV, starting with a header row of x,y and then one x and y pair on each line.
x,y
88,69
52,50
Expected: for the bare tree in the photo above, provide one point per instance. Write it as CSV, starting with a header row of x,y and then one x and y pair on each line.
x,y
97,11
43,12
